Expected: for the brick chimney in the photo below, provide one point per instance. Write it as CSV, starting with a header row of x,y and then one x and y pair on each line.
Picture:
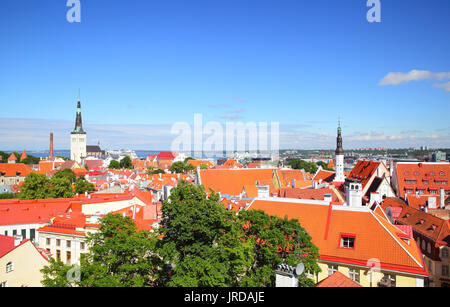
x,y
51,144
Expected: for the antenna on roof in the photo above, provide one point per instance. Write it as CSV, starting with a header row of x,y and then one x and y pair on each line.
x,y
78,94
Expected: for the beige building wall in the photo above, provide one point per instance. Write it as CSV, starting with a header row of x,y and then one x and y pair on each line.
x,y
371,279
27,263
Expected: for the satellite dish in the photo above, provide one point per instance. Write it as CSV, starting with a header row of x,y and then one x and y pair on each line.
x,y
300,268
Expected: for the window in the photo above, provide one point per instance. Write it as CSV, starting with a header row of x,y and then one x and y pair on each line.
x,y
3,284
347,241
445,270
82,245
58,242
9,267
32,234
6,232
68,244
68,257
24,233
58,255
354,274
48,241
430,266
14,232
444,253
331,269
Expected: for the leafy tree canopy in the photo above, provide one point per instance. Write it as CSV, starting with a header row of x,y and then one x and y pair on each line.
x,y
309,167
82,185
181,167
114,164
126,162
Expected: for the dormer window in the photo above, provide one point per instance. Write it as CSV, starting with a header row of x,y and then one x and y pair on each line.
x,y
347,241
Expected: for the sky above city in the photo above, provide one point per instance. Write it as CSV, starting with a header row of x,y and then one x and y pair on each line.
x,y
142,66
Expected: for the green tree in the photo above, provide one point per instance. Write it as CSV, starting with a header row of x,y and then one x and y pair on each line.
x,y
55,274
181,167
155,171
82,185
7,195
114,164
201,240
66,173
35,186
277,241
324,166
203,166
120,256
126,162
309,167
60,187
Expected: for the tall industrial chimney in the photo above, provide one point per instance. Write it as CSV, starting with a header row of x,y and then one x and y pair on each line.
x,y
51,144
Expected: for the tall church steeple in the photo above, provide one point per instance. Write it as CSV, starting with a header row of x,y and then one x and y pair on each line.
x,y
78,138
339,150
78,121
339,175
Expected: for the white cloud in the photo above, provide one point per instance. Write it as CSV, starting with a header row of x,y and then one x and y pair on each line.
x,y
444,86
33,134
396,78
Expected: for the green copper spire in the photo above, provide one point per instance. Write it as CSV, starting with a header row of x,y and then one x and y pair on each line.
x,y
78,122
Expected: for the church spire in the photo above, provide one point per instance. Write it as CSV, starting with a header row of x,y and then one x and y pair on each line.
x,y
78,121
339,149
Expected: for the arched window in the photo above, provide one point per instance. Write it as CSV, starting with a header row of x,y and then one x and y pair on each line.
x,y
9,267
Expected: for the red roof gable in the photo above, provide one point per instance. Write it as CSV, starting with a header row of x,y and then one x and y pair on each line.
x,y
166,156
337,279
12,157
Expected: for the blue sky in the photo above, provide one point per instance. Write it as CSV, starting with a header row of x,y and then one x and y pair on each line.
x,y
144,65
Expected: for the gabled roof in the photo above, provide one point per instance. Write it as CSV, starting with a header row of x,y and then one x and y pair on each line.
x,y
288,177
325,176
12,157
23,156
363,171
375,237
166,156
14,169
337,279
431,226
7,245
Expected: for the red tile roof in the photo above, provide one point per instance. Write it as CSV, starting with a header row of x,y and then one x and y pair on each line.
x,y
337,279
23,156
363,171
12,157
232,181
325,176
316,194
14,169
6,245
431,226
425,175
166,156
375,237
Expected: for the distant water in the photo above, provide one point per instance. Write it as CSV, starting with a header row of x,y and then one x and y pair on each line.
x,y
140,153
